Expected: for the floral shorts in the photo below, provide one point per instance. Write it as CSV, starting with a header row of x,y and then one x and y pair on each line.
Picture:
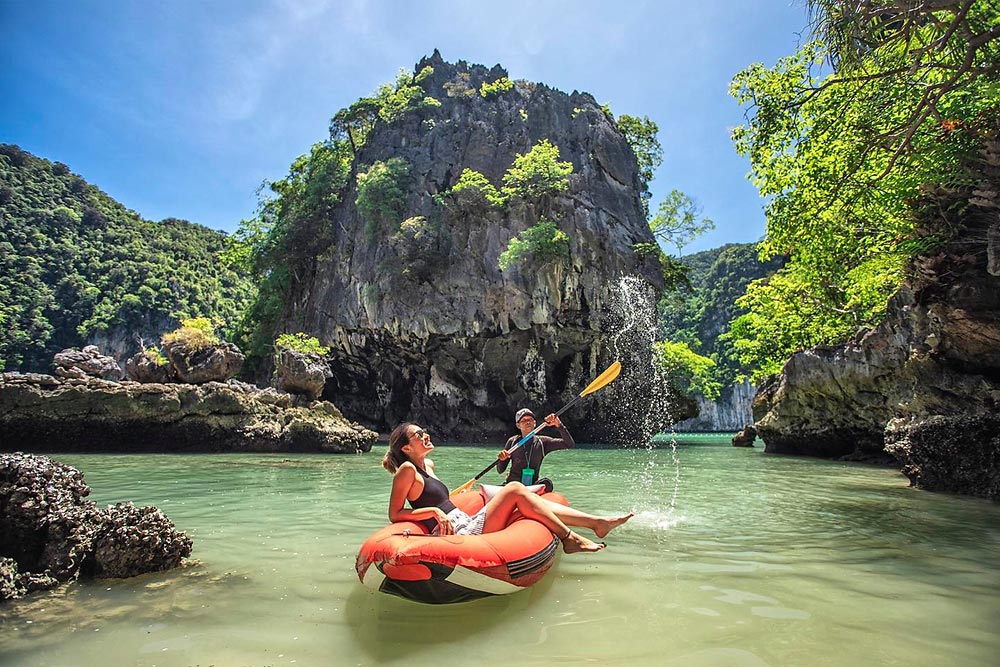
x,y
463,524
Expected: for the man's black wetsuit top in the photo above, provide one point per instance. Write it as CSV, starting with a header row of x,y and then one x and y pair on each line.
x,y
435,494
534,450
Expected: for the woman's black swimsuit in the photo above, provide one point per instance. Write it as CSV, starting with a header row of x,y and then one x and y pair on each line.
x,y
435,494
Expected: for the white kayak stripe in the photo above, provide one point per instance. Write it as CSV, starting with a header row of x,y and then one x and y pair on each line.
x,y
373,577
463,576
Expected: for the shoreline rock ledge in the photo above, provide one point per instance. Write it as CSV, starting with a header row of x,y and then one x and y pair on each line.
x,y
42,413
50,534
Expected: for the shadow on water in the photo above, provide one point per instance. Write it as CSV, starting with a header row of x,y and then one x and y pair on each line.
x,y
387,627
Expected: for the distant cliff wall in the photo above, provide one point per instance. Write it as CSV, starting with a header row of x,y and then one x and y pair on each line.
x,y
731,412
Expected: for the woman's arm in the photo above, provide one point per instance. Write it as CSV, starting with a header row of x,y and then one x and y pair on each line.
x,y
402,483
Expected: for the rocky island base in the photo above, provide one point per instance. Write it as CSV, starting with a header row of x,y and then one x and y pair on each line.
x,y
43,413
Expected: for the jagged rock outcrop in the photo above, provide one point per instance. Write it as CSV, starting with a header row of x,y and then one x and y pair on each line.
x,y
957,454
88,362
300,373
423,324
49,533
926,381
44,413
215,363
745,437
143,367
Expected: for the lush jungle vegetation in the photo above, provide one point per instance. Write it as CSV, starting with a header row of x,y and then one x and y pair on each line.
x,y
846,137
75,263
698,314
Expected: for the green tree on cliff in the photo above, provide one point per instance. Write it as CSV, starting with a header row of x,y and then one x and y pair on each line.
x,y
641,135
537,173
841,137
678,221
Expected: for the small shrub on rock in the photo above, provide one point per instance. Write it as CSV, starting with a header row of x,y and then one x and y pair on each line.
x,y
196,333
543,243
301,342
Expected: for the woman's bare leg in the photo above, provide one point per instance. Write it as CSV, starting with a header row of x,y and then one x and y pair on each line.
x,y
601,525
514,497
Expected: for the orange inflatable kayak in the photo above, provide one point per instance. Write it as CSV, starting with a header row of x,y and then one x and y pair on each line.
x,y
403,559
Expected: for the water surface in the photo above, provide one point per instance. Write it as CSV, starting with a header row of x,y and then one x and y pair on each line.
x,y
734,558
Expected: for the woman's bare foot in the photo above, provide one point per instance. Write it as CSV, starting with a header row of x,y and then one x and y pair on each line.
x,y
574,543
605,526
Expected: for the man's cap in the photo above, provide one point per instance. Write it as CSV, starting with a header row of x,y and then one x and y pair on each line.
x,y
521,413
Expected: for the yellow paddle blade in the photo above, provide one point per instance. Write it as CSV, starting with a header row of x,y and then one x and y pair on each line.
x,y
462,489
603,379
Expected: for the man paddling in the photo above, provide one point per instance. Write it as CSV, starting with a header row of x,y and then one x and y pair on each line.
x,y
526,460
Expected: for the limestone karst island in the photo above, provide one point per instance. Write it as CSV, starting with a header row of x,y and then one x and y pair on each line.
x,y
652,344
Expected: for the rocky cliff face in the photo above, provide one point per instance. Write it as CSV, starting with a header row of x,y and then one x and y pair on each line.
x,y
428,328
730,412
924,386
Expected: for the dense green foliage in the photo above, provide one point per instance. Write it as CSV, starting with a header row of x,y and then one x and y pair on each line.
x,y
294,223
474,191
195,333
537,173
640,133
382,193
300,342
75,263
389,103
283,239
501,85
689,372
533,176
843,155
544,243
699,314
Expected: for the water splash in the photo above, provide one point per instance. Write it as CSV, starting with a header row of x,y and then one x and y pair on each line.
x,y
643,395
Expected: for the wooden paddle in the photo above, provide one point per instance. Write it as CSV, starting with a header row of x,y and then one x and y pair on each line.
x,y
602,380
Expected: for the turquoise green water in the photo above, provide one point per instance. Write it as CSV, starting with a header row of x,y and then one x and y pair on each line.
x,y
734,558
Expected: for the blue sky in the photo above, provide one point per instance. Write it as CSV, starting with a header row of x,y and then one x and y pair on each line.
x,y
182,109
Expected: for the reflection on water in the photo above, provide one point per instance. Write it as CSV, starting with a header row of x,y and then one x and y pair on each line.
x,y
733,558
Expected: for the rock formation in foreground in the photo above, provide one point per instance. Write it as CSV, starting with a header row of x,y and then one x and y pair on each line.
x,y
50,534
42,413
421,321
924,386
